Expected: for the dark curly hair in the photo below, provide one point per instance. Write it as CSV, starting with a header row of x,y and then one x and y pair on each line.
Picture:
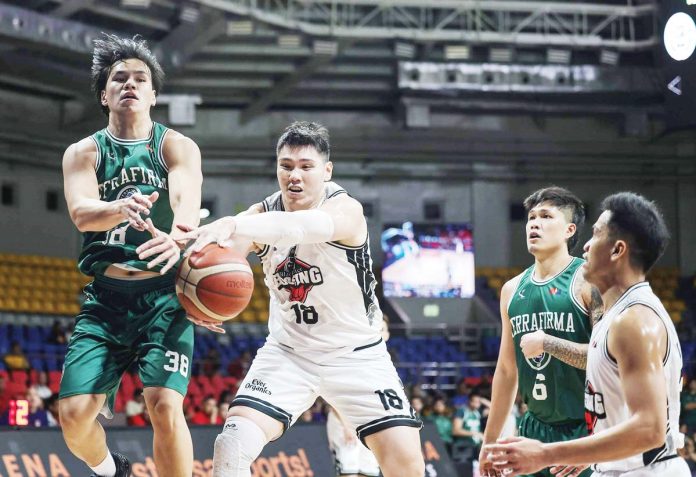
x,y
112,49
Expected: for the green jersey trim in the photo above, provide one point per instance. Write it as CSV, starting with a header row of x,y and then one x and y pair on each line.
x,y
573,298
160,154
549,280
98,159
130,142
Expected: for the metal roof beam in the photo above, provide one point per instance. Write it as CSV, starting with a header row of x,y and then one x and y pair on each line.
x,y
584,25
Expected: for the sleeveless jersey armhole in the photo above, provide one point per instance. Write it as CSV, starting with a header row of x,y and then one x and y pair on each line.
x,y
98,159
574,299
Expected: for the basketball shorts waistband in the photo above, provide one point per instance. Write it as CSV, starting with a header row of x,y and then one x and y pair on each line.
x,y
129,287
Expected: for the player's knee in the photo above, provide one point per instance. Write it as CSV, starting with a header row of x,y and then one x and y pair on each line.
x,y
404,466
77,412
236,447
164,415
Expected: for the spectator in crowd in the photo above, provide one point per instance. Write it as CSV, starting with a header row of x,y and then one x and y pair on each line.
x,y
211,363
462,397
688,407
239,367
135,409
224,401
208,412
466,430
57,334
442,418
51,405
417,405
16,360
38,417
306,417
42,385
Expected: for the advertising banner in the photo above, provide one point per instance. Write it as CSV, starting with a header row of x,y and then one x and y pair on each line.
x,y
302,452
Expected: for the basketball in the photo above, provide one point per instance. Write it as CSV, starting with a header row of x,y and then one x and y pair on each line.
x,y
214,284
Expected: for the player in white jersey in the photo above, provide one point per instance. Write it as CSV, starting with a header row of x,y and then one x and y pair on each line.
x,y
634,360
324,320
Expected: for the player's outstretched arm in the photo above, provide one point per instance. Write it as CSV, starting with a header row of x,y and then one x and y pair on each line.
x,y
638,342
183,160
504,387
87,211
339,219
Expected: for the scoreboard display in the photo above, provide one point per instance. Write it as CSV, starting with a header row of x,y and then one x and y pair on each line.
x,y
678,57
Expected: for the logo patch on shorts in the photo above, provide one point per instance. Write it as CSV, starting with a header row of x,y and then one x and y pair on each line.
x,y
258,386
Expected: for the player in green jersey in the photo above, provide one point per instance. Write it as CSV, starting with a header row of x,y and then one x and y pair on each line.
x,y
545,330
125,185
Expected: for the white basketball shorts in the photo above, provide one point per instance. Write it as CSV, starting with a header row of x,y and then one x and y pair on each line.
x,y
362,385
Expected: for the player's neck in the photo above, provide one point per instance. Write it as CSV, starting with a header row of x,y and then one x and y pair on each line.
x,y
550,265
130,127
617,284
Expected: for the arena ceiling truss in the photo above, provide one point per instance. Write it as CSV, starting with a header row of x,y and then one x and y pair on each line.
x,y
327,54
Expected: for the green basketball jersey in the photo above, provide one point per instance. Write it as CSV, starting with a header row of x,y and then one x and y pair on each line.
x,y
125,167
552,390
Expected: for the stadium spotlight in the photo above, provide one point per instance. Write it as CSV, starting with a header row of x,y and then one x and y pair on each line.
x,y
609,57
558,56
457,52
404,50
500,55
135,3
239,27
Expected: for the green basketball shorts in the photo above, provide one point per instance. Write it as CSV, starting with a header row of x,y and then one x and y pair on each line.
x,y
125,323
533,428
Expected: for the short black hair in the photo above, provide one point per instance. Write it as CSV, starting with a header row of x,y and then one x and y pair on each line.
x,y
112,49
564,200
639,222
304,133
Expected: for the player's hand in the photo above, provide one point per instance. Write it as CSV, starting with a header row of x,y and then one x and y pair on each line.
x,y
131,208
219,232
486,466
207,324
532,344
517,456
162,245
567,470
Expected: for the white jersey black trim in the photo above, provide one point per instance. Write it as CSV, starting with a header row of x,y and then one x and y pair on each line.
x,y
360,259
385,423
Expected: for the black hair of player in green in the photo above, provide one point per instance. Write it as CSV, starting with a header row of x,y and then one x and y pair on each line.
x,y
112,49
303,133
564,200
638,221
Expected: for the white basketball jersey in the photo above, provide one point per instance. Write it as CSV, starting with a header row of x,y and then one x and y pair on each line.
x,y
605,406
322,296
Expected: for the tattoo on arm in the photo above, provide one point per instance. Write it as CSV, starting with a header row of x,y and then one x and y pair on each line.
x,y
596,306
574,354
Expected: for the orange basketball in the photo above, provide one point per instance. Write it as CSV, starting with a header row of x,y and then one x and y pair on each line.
x,y
214,284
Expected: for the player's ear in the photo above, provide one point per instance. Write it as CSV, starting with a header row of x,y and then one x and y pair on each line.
x,y
619,250
154,98
103,98
328,171
571,229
